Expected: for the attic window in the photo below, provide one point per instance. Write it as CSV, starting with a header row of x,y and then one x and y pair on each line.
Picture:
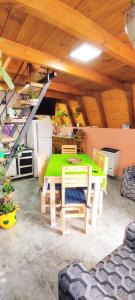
x,y
85,52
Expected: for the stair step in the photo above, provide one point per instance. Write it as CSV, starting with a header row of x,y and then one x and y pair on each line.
x,y
15,120
2,160
35,86
30,102
20,106
5,139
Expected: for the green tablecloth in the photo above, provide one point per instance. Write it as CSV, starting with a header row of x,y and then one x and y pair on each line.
x,y
57,161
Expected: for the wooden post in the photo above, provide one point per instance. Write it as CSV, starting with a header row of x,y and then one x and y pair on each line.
x,y
130,98
98,97
84,113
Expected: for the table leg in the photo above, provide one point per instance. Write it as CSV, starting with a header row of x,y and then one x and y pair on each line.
x,y
52,202
95,203
43,194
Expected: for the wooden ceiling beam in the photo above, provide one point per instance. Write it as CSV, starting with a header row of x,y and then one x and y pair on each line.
x,y
76,24
84,113
68,89
60,95
98,97
70,113
35,56
130,98
55,89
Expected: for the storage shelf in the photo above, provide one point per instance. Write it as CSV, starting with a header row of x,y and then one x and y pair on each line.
x,y
24,157
25,166
23,175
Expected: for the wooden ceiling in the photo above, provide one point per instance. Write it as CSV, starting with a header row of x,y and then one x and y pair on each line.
x,y
17,25
40,34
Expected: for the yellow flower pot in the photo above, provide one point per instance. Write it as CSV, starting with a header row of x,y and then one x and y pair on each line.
x,y
8,220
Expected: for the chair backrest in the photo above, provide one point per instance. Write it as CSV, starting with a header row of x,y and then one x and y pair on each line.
x,y
96,155
101,160
69,149
76,176
42,164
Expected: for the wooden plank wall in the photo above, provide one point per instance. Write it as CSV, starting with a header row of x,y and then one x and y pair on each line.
x,y
115,104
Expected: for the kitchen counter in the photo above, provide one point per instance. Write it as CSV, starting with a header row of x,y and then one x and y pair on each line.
x,y
64,136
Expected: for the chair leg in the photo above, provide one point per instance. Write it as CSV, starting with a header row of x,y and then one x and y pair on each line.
x,y
87,217
63,220
100,206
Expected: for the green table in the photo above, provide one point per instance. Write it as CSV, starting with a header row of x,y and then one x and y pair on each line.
x,y
53,175
57,161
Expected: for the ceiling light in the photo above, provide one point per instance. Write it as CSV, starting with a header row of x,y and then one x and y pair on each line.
x,y
85,52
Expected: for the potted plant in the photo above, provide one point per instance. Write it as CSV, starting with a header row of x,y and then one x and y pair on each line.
x,y
7,206
33,98
19,150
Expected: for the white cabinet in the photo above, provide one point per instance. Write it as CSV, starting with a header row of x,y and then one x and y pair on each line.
x,y
113,160
21,166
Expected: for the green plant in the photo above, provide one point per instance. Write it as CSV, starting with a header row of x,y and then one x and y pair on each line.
x,y
61,113
7,186
6,208
19,150
32,94
2,171
5,75
6,190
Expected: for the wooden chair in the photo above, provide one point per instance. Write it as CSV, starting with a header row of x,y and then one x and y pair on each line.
x,y
102,161
69,149
45,201
76,202
96,153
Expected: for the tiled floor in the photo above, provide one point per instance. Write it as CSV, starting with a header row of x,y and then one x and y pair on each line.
x,y
31,253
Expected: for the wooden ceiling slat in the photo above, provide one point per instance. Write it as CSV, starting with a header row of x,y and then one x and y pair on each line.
x,y
59,43
27,30
4,12
14,23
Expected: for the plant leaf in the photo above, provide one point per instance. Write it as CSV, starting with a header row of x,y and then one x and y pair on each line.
x,y
6,78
